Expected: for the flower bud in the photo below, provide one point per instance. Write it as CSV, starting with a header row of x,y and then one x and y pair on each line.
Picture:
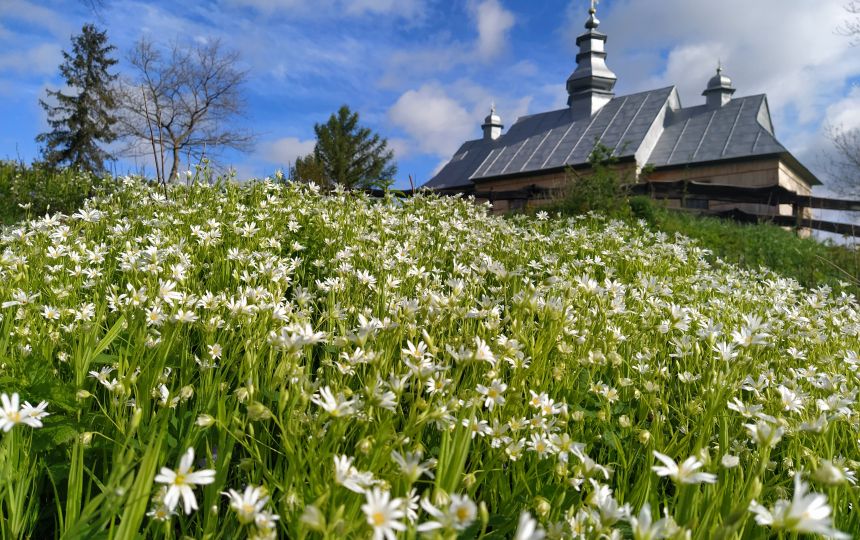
x,y
257,411
484,513
469,481
542,507
186,393
365,445
136,418
204,420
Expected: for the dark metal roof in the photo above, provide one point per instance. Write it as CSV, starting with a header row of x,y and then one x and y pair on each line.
x,y
629,125
555,139
699,134
457,172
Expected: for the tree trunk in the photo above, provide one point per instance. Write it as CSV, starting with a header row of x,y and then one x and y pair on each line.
x,y
174,169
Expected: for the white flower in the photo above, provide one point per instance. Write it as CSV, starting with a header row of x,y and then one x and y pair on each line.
x,y
602,500
791,400
685,473
411,465
180,482
589,466
215,351
50,313
528,528
349,477
159,512
249,504
13,413
644,527
729,461
167,292
493,394
805,513
336,406
458,516
831,473
383,514
765,434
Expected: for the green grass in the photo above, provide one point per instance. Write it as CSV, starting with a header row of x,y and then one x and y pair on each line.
x,y
809,261
28,191
328,352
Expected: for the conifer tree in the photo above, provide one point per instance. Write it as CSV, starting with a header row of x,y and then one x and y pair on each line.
x,y
351,155
82,119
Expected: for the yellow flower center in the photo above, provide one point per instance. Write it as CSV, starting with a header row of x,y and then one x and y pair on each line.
x,y
179,480
378,519
14,417
462,513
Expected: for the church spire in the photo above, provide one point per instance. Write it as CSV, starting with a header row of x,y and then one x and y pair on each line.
x,y
492,125
719,91
590,87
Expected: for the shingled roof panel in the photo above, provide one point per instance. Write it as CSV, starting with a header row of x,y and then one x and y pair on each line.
x,y
699,134
555,139
457,171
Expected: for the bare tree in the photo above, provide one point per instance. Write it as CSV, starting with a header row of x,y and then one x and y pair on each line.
x,y
842,163
181,103
851,27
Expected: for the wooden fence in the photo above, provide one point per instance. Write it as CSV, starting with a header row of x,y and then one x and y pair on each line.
x,y
695,197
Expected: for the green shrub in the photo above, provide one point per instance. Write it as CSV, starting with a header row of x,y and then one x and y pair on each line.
x,y
39,189
807,260
602,189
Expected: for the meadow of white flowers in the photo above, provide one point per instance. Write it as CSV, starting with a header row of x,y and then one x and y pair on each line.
x,y
266,361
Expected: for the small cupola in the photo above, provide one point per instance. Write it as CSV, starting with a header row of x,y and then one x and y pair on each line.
x,y
492,125
719,91
590,86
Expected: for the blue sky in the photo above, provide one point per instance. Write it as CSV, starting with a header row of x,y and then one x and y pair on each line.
x,y
423,73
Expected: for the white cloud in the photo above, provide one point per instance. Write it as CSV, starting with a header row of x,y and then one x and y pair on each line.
x,y
402,148
786,48
284,151
437,123
404,8
408,9
845,113
494,23
36,15
42,59
441,54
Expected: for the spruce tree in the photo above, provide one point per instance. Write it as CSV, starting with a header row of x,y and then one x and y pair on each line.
x,y
351,155
83,118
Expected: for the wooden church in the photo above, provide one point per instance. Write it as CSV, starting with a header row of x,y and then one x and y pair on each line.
x,y
726,141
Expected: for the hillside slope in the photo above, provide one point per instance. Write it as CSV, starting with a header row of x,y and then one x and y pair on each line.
x,y
353,357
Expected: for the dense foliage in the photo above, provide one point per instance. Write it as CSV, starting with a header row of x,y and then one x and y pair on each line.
x,y
27,191
809,261
603,187
350,155
268,361
83,120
